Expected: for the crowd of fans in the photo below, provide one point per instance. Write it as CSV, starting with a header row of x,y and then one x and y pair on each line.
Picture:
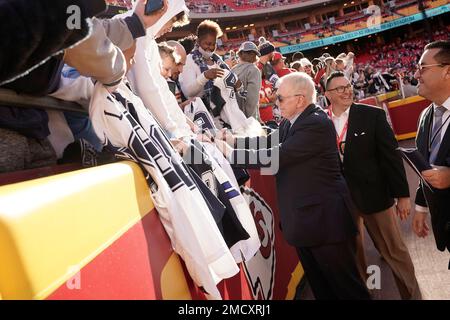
x,y
351,21
380,69
290,36
396,61
153,103
120,75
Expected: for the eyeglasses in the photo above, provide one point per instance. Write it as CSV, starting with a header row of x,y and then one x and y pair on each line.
x,y
341,89
280,98
421,67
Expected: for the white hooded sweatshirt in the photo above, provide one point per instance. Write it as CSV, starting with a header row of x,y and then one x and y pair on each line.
x,y
150,85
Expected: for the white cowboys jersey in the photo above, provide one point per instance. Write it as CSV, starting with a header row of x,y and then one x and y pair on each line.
x,y
198,113
244,249
238,218
126,126
230,116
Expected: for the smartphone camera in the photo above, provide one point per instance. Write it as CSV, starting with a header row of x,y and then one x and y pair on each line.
x,y
152,6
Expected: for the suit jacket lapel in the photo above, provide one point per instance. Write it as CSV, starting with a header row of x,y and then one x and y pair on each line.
x,y
284,129
353,117
309,109
444,147
424,132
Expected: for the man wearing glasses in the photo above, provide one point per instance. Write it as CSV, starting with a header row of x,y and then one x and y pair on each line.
x,y
314,201
375,175
433,142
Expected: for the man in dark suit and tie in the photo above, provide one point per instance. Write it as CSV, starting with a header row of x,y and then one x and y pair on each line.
x,y
375,175
313,198
433,142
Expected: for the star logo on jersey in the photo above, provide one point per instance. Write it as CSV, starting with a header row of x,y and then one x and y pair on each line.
x,y
230,80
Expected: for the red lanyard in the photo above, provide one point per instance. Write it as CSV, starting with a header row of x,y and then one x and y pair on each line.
x,y
339,137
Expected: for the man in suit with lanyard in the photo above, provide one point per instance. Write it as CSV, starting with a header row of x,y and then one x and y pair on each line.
x,y
433,142
313,198
375,175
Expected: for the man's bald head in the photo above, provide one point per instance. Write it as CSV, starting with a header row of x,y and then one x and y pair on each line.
x,y
181,52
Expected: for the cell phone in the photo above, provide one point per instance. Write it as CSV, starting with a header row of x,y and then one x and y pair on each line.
x,y
152,6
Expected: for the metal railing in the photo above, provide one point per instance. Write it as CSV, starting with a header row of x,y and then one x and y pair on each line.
x,y
12,99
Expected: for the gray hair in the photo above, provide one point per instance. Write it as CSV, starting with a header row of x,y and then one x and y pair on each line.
x,y
167,51
301,83
176,45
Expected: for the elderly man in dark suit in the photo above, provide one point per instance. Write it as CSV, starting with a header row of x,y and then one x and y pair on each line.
x,y
433,142
313,198
375,175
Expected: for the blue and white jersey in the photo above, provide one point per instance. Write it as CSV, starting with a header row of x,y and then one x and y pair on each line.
x,y
125,125
230,117
239,228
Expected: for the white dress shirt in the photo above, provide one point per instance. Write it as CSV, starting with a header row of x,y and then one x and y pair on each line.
x,y
292,121
445,121
339,125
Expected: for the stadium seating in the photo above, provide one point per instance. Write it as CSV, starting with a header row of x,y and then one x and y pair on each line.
x,y
235,5
349,22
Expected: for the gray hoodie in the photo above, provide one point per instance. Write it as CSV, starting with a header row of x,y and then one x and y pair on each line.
x,y
250,77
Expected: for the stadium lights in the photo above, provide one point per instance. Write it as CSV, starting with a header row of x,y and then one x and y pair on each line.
x,y
227,28
234,28
345,4
246,26
252,25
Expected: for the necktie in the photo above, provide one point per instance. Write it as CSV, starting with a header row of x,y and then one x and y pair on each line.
x,y
436,133
287,127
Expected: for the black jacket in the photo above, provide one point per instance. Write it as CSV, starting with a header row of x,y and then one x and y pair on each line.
x,y
438,201
313,198
373,168
33,30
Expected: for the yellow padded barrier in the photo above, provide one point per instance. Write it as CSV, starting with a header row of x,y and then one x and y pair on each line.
x,y
173,273
402,102
389,95
52,227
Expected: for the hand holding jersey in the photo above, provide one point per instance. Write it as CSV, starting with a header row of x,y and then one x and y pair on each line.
x,y
129,129
214,73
